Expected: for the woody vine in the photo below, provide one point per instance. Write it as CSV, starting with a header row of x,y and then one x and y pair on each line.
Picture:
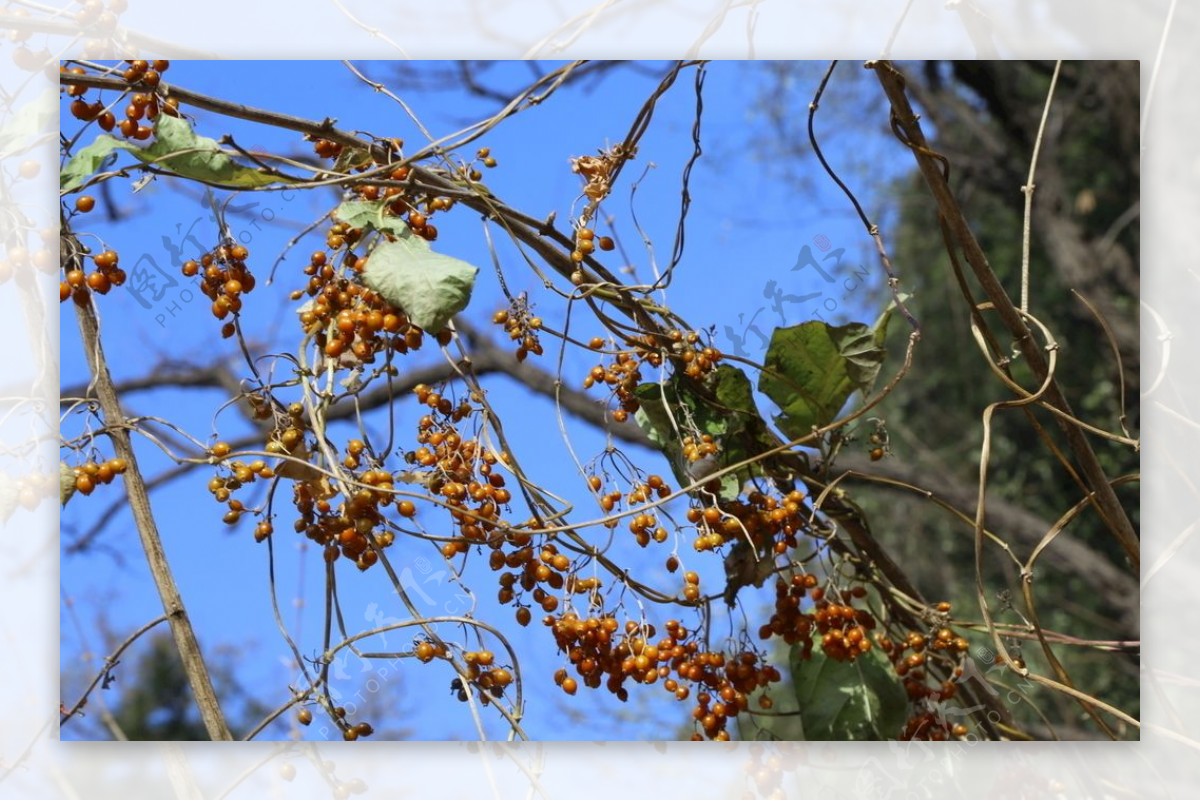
x,y
850,647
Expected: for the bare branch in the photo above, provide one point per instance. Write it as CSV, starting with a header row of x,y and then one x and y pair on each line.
x,y
110,662
139,504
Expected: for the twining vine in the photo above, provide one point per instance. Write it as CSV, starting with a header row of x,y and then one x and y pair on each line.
x,y
864,655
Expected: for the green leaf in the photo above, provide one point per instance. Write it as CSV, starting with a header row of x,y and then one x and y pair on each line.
x,y
430,287
85,162
670,407
813,368
723,407
176,149
860,700
735,393
370,214
747,434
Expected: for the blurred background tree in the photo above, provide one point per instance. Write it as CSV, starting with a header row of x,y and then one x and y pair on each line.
x,y
983,117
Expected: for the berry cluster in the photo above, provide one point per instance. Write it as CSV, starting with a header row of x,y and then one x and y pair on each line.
x,y
586,243
879,442
931,725
346,318
484,154
696,449
288,436
482,671
456,469
609,501
764,771
522,326
459,470
224,279
95,19
143,106
30,489
17,257
351,732
643,526
732,681
239,474
540,574
603,652
106,276
624,373
697,359
91,473
428,650
326,148
766,520
350,529
484,674
418,210
910,658
842,628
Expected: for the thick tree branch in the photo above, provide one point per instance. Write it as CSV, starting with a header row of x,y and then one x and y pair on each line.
x,y
1110,508
486,357
139,503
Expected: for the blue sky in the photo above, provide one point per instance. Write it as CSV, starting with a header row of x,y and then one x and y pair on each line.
x,y
746,228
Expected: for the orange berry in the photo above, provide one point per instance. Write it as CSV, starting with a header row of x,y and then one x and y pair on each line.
x,y
107,260
99,282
